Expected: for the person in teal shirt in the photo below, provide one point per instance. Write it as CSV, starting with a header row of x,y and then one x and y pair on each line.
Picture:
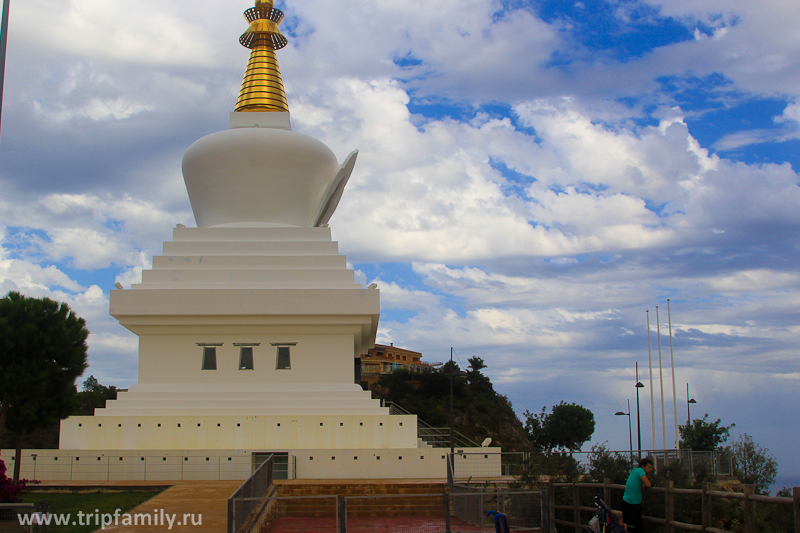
x,y
637,483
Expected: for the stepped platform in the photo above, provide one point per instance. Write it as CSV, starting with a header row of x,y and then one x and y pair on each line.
x,y
365,498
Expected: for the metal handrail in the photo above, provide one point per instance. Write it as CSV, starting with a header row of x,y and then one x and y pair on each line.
x,y
436,437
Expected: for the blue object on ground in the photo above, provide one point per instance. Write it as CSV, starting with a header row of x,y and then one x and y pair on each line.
x,y
500,521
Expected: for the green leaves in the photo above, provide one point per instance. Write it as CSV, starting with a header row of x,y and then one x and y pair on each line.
x,y
753,464
703,435
42,353
567,427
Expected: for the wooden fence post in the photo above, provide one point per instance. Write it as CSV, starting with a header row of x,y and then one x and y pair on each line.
x,y
669,507
576,502
796,498
706,505
749,510
551,495
607,491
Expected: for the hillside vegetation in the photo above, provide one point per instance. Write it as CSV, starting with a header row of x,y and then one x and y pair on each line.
x,y
479,411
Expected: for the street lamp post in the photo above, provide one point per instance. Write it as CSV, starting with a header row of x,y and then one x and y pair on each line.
x,y
689,400
3,45
630,432
639,385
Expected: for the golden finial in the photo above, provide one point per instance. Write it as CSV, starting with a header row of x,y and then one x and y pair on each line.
x,y
262,87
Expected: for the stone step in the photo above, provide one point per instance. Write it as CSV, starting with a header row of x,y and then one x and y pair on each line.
x,y
363,499
252,262
251,248
249,276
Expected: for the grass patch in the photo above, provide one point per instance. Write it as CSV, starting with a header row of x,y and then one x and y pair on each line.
x,y
88,503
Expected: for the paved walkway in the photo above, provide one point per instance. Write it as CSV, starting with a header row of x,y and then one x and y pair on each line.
x,y
187,506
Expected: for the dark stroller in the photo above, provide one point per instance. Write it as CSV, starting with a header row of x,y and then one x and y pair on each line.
x,y
604,520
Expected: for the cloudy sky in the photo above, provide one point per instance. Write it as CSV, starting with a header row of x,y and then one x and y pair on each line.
x,y
533,176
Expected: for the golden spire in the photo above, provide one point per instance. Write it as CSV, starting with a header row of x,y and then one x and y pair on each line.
x,y
262,87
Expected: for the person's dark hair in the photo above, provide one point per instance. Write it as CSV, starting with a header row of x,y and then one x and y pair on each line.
x,y
644,462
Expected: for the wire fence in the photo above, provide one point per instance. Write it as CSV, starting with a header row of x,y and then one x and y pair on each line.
x,y
12,517
249,497
471,466
525,510
299,514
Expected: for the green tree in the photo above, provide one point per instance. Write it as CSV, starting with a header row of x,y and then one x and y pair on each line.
x,y
535,424
569,426
702,435
94,395
477,381
753,464
604,463
42,353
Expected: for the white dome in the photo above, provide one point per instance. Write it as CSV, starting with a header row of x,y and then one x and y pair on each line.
x,y
257,177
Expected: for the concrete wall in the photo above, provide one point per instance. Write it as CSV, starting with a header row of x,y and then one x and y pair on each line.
x,y
200,432
173,465
323,358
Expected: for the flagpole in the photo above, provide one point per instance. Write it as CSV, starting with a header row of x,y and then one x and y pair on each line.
x,y
652,401
3,45
661,379
674,394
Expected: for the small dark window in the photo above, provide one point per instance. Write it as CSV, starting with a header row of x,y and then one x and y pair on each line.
x,y
355,458
284,360
209,358
119,425
245,358
141,458
140,425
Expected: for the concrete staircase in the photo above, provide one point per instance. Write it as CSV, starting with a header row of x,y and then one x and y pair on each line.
x,y
365,499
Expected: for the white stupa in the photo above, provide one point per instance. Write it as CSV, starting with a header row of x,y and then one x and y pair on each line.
x,y
250,324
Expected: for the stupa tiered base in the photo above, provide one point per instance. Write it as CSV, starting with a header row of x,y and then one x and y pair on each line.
x,y
247,339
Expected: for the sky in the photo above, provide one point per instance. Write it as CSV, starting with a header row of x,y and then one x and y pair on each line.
x,y
533,176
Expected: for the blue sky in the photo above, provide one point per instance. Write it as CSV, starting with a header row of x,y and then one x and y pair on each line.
x,y
532,176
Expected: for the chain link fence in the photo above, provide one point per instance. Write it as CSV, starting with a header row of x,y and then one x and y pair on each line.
x,y
526,510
